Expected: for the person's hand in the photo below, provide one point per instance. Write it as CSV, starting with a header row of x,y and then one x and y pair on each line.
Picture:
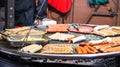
x,y
38,22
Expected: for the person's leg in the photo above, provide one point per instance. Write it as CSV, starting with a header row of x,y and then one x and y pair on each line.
x,y
24,12
29,17
25,19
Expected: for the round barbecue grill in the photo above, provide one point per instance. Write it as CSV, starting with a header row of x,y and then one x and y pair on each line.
x,y
99,59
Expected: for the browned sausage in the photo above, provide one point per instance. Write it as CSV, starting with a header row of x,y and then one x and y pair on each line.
x,y
84,51
113,49
88,50
97,46
103,46
93,49
56,30
77,48
58,25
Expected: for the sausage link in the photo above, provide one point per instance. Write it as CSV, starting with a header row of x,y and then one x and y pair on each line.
x,y
93,49
102,47
113,49
77,48
88,50
84,51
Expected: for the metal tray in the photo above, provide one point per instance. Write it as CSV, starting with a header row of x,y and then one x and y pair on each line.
x,y
16,41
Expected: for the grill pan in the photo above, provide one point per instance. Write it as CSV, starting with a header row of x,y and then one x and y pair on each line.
x,y
36,57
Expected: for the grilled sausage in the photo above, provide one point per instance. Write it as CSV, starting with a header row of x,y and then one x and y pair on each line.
x,y
79,51
113,49
103,46
93,49
58,25
84,51
51,30
88,49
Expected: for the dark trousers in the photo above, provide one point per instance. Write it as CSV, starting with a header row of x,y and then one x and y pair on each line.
x,y
26,11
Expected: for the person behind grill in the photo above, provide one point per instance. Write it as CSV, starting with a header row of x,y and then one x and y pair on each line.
x,y
26,11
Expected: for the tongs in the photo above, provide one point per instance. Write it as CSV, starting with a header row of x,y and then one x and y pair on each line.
x,y
8,36
76,26
26,36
